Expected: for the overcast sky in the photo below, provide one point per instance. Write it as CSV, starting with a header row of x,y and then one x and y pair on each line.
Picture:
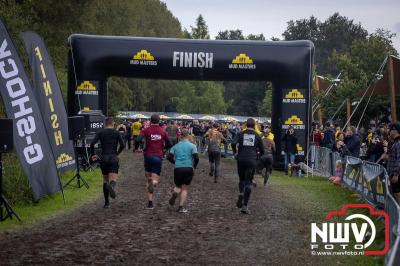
x,y
271,17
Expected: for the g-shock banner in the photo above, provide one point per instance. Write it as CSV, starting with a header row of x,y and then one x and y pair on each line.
x,y
30,138
48,95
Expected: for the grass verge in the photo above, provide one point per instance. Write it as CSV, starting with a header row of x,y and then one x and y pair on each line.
x,y
51,206
315,197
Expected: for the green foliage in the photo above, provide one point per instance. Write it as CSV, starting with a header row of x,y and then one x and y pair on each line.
x,y
359,66
230,35
201,97
238,35
266,105
200,31
336,33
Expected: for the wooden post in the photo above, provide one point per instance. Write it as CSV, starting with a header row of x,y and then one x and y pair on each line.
x,y
348,110
317,86
392,91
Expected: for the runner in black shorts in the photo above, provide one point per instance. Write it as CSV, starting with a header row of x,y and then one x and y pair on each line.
x,y
109,139
185,157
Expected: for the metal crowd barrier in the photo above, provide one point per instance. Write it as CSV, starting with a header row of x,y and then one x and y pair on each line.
x,y
368,179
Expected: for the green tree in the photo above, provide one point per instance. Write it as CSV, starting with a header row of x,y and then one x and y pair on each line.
x,y
359,67
230,35
200,31
256,37
337,33
266,104
201,97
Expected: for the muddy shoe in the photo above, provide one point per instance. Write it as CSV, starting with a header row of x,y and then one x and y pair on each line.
x,y
182,210
239,202
150,206
245,210
173,199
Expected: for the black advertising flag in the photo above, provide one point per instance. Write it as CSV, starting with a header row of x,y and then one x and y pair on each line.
x,y
49,97
30,138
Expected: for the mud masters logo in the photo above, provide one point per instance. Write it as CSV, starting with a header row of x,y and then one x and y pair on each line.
x,y
242,61
354,230
143,58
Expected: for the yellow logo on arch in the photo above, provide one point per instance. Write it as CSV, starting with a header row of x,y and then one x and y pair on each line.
x,y
294,94
143,58
143,55
294,120
242,59
86,86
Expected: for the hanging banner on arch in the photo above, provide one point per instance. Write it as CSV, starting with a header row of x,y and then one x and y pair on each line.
x,y
51,103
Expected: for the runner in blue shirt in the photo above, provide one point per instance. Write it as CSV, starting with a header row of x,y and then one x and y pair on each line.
x,y
185,157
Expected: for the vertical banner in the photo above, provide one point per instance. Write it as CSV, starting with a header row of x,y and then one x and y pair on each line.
x,y
30,138
49,97
294,110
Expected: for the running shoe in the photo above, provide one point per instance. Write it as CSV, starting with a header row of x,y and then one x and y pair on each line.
x,y
173,198
111,189
245,210
210,174
150,206
239,202
182,210
106,205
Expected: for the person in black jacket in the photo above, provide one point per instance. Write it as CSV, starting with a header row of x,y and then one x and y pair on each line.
x,y
290,147
329,136
128,135
352,141
250,144
109,139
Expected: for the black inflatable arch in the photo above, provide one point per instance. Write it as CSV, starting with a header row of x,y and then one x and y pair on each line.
x,y
288,65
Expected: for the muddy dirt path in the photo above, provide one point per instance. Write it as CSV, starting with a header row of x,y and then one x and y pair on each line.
x,y
214,232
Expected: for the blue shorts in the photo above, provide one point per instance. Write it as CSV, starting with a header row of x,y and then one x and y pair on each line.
x,y
153,164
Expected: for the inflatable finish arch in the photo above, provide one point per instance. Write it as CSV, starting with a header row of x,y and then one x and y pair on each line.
x,y
288,65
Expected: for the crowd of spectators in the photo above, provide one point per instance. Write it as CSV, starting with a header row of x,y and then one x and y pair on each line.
x,y
377,144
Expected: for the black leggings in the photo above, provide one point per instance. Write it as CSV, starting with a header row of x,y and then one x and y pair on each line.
x,y
214,158
246,171
266,162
